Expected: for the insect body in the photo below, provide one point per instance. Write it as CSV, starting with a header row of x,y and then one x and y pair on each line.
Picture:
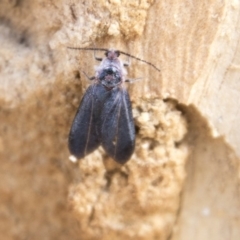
x,y
105,116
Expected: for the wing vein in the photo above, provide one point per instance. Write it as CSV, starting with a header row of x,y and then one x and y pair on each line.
x,y
90,124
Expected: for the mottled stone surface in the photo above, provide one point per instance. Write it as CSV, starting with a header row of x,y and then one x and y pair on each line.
x,y
183,179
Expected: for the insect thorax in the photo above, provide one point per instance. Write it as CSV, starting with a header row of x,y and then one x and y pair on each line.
x,y
110,77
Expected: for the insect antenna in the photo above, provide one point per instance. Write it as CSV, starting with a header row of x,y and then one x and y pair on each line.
x,y
121,52
139,59
91,49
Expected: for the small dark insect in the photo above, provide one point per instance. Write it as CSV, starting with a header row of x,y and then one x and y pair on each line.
x,y
105,113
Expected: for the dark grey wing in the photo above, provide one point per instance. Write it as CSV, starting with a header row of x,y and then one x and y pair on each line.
x,y
83,136
117,126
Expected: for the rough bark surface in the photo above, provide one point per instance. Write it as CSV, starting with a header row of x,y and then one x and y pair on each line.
x,y
182,181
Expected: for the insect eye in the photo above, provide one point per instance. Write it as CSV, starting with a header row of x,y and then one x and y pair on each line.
x,y
117,53
112,54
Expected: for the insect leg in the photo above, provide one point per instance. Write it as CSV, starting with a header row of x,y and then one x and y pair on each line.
x,y
97,58
127,64
133,80
89,78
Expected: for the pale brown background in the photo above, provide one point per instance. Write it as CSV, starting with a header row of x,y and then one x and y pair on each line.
x,y
182,182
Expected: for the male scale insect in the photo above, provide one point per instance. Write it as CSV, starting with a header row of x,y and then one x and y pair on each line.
x,y
104,116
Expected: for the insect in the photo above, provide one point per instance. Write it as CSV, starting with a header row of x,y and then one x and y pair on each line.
x,y
104,116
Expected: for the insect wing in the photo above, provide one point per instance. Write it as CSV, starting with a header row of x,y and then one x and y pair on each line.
x,y
83,136
117,126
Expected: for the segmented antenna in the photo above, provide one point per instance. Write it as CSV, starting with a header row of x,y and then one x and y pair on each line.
x,y
124,53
